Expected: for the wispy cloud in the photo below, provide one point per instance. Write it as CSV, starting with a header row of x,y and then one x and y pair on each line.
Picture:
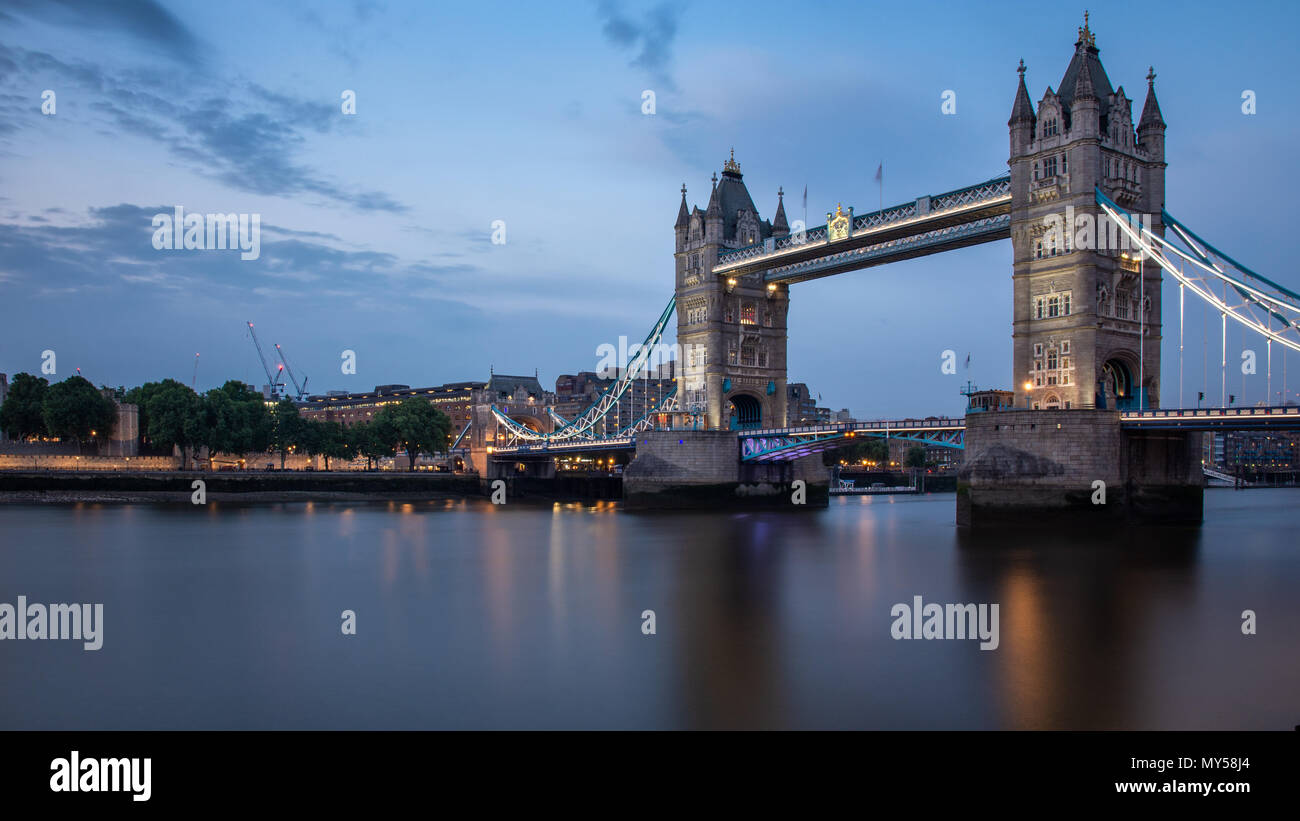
x,y
248,141
649,39
145,21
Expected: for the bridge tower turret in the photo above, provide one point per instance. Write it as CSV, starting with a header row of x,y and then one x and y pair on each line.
x,y
1087,318
732,331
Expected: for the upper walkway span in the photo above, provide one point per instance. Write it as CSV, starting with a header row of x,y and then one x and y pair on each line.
x,y
928,225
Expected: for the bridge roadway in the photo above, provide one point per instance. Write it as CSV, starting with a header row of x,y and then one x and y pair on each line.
x,y
930,224
781,444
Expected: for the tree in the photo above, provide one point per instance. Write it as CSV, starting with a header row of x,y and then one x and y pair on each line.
x,y
420,427
176,417
237,420
75,409
287,431
21,416
915,457
325,438
870,448
374,439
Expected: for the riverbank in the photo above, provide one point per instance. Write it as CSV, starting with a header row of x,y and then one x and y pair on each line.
x,y
62,487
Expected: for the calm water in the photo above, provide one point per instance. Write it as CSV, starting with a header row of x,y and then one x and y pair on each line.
x,y
530,617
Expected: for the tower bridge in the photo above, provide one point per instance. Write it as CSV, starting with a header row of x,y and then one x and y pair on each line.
x,y
1084,207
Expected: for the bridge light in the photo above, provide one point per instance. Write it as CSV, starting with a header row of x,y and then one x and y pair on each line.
x,y
1029,386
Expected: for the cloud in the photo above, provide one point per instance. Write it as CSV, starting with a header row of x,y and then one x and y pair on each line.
x,y
143,20
650,39
248,141
109,251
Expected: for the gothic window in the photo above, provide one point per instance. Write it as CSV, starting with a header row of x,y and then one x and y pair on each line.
x,y
1038,314
1038,349
1064,165
748,314
1050,128
748,356
1065,303
731,353
1065,348
1038,249
731,312
1049,167
1121,305
1052,359
1053,306
762,357
1035,170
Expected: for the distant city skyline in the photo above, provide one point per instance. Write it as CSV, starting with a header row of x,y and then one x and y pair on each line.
x,y
377,227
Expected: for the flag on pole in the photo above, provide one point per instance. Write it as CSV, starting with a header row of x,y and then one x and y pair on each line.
x,y
880,170
967,361
880,179
805,196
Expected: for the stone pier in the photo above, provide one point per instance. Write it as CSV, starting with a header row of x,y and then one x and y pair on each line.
x,y
1048,468
702,469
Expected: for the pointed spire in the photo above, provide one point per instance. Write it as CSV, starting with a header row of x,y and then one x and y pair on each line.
x,y
778,222
1023,110
1083,87
1151,109
683,215
715,204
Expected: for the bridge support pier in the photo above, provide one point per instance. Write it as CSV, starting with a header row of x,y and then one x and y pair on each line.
x,y
1045,469
702,469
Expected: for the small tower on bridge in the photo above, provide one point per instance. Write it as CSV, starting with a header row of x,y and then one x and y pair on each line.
x,y
1087,309
732,331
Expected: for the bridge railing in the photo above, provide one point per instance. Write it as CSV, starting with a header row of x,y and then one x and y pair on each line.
x,y
554,447
1196,413
935,205
847,427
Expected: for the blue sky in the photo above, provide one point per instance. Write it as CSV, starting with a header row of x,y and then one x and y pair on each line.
x,y
376,227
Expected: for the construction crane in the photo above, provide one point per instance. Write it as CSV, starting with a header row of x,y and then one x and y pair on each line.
x,y
195,378
274,385
301,389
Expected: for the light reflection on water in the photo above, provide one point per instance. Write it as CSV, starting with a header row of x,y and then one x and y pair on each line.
x,y
474,615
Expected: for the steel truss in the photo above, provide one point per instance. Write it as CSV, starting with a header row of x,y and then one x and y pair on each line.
x,y
583,426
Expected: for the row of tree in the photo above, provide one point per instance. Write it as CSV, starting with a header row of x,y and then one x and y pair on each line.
x,y
232,419
873,449
73,409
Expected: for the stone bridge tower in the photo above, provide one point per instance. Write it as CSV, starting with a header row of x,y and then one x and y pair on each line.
x,y
1081,292
732,331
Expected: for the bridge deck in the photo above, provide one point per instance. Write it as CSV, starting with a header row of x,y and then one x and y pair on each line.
x,y
940,222
1284,417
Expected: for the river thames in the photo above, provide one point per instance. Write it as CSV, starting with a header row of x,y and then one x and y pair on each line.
x,y
474,616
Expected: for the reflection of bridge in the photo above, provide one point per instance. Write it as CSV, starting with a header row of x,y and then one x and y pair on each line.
x,y
1084,208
